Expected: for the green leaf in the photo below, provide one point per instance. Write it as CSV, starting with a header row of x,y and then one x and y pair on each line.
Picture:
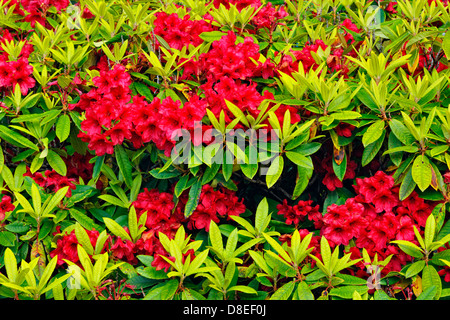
x,y
166,174
446,45
371,150
407,186
401,132
124,164
36,199
373,133
278,248
346,292
300,160
83,238
262,212
304,175
415,268
113,200
17,227
163,291
197,262
210,173
430,277
409,248
430,228
116,229
274,172
143,90
16,138
303,291
56,162
411,126
133,224
181,185
339,170
7,239
152,273
408,149
85,221
244,289
216,238
421,172
54,201
194,196
250,168
10,265
63,127
2,159
284,292
80,193
237,112
428,293
211,36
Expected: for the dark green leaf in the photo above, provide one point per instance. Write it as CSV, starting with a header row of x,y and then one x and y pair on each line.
x,y
125,166
16,138
194,195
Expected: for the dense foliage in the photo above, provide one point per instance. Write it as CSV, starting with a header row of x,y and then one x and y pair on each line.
x,y
343,193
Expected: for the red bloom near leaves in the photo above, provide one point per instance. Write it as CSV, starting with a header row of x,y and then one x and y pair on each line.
x,y
66,246
166,217
5,206
375,217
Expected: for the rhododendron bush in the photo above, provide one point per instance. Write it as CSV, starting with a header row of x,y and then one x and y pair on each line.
x,y
225,150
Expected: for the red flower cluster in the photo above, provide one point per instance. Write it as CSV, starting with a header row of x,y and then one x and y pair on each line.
x,y
161,121
239,4
297,213
268,17
107,111
52,181
36,10
243,95
66,245
166,217
227,58
15,71
5,206
112,116
375,217
212,205
161,216
179,33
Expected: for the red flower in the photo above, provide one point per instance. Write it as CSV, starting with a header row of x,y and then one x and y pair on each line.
x,y
123,250
66,247
445,272
385,201
338,233
201,218
5,206
348,24
344,129
405,229
390,7
98,142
